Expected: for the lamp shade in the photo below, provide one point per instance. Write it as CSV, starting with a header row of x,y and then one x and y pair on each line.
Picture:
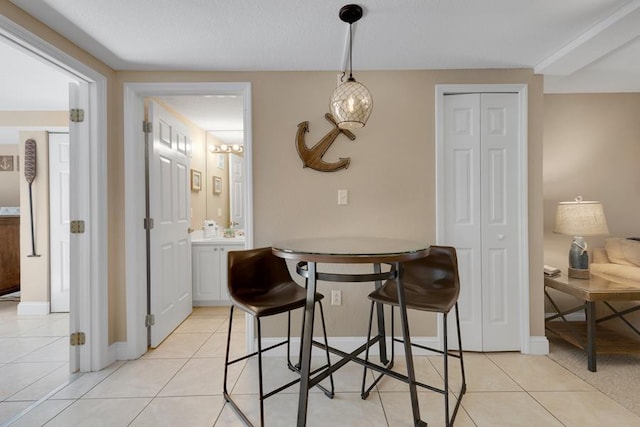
x,y
580,218
351,104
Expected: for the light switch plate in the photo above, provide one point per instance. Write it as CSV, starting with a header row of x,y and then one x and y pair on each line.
x,y
343,197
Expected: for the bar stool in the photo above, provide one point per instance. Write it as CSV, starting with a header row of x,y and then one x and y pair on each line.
x,y
430,284
259,284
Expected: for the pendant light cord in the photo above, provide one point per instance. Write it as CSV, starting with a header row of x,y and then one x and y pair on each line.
x,y
350,52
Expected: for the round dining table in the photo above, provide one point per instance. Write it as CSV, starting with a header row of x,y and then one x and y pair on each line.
x,y
308,253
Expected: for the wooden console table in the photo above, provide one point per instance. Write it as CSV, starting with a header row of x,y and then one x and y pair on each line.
x,y
591,290
9,254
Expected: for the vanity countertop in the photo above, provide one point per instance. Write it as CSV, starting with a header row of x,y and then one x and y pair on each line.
x,y
217,241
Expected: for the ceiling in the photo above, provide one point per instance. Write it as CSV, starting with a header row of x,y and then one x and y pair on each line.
x,y
579,45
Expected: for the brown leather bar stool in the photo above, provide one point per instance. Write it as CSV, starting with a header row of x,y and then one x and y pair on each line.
x,y
259,284
430,284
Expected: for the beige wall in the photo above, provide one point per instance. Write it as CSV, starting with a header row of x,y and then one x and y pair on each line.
x,y
9,184
390,180
34,118
34,271
10,180
115,180
591,148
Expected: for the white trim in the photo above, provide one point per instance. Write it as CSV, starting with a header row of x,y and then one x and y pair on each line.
x,y
135,252
523,185
90,307
605,37
538,345
33,308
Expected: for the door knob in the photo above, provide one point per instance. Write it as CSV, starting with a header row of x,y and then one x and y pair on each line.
x,y
500,236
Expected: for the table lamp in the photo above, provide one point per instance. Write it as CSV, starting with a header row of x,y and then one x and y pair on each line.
x,y
580,218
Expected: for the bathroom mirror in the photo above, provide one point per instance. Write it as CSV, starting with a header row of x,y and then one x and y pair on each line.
x,y
225,174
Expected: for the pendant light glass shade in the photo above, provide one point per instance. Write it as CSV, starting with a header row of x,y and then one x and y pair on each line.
x,y
351,104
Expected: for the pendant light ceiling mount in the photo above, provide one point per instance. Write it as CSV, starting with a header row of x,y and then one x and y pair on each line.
x,y
350,13
351,102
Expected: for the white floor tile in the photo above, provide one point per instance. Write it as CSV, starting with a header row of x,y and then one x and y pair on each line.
x,y
180,383
201,377
45,385
137,378
86,382
192,411
56,351
9,410
176,345
17,376
42,413
22,346
100,413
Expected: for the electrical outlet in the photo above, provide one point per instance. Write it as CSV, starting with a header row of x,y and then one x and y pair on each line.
x,y
336,297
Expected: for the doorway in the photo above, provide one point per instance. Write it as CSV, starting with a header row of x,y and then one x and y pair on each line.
x,y
88,272
473,181
135,94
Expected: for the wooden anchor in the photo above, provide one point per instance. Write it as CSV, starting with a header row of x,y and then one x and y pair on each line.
x,y
312,157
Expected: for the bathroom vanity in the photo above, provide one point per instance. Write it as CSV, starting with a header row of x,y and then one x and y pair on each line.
x,y
209,262
9,254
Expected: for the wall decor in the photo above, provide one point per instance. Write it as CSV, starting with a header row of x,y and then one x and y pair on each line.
x,y
6,163
30,170
196,180
312,157
217,185
220,161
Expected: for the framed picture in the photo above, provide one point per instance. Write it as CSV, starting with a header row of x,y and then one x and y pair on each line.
x,y
217,185
220,161
6,163
196,180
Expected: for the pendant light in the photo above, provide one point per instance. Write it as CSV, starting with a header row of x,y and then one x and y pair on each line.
x,y
351,103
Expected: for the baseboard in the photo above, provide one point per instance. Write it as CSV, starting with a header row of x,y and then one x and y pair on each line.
x,y
33,308
118,351
538,345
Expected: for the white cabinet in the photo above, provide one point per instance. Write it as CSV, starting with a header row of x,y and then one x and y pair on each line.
x,y
209,261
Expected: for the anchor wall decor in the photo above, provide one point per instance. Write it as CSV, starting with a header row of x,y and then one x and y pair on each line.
x,y
312,157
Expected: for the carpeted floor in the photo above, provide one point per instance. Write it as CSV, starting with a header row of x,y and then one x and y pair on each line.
x,y
617,376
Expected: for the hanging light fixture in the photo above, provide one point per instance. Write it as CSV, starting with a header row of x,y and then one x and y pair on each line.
x,y
351,103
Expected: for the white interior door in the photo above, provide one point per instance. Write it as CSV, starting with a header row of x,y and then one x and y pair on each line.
x,y
169,197
236,190
481,215
80,243
59,221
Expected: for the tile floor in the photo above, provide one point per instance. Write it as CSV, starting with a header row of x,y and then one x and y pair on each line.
x,y
180,384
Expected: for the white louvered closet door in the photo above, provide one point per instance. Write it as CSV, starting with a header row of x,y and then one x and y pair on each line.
x,y
481,215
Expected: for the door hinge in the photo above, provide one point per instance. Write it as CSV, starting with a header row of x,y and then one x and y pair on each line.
x,y
77,338
148,223
76,115
149,320
77,226
147,127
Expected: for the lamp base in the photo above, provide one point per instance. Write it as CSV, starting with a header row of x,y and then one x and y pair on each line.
x,y
579,273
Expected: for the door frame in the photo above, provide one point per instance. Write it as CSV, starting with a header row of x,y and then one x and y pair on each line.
x,y
88,305
527,345
135,239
